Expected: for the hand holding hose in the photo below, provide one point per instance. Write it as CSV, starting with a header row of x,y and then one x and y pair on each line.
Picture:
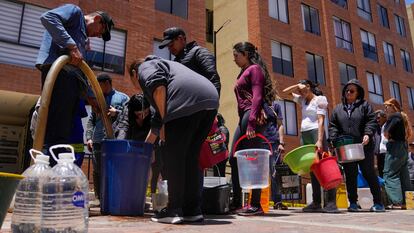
x,y
75,55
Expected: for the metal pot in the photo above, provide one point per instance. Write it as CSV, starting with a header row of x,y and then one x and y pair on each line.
x,y
350,153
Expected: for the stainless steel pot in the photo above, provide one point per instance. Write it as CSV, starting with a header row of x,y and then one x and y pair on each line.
x,y
350,153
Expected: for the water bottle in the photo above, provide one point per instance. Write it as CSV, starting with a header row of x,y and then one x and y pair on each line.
x,y
27,206
65,196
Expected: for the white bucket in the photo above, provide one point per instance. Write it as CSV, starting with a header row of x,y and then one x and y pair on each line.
x,y
253,167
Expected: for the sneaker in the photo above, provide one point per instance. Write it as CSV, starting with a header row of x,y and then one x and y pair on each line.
x,y
280,206
240,209
252,211
354,207
330,208
377,208
312,208
168,216
194,218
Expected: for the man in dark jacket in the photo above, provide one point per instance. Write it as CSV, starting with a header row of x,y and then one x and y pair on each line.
x,y
355,117
195,57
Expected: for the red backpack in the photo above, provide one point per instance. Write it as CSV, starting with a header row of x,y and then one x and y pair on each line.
x,y
213,149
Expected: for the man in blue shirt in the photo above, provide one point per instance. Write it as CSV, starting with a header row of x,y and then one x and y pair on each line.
x,y
67,32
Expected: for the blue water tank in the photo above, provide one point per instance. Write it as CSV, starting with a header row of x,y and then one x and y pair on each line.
x,y
124,176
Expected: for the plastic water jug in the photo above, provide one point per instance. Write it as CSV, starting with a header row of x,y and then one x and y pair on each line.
x,y
160,199
65,196
27,206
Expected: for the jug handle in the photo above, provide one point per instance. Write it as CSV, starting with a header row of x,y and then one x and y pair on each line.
x,y
34,152
72,151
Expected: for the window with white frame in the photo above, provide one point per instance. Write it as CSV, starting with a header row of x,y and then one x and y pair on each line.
x,y
310,18
400,25
289,117
346,72
406,60
315,68
21,33
368,45
389,53
175,7
278,9
364,9
108,56
282,58
375,88
395,91
383,16
410,94
341,3
162,53
343,37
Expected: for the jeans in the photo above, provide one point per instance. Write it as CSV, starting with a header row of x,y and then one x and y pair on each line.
x,y
180,154
396,175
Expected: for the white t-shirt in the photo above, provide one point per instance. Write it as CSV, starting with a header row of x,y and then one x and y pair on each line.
x,y
383,144
317,106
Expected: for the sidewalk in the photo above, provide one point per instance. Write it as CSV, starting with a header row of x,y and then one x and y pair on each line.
x,y
281,221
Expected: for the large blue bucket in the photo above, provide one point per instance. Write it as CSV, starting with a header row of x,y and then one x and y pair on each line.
x,y
124,180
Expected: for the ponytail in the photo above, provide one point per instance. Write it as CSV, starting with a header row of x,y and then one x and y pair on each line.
x,y
407,126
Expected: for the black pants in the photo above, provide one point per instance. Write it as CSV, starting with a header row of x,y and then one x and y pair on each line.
x,y
63,106
97,163
220,169
156,170
245,144
184,137
380,164
368,171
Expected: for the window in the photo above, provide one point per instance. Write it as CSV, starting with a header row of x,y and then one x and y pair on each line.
x,y
175,7
343,36
389,53
278,9
346,73
310,19
395,91
209,26
315,68
282,59
341,3
364,9
406,60
383,16
375,88
399,24
289,117
410,94
21,33
108,56
368,45
163,53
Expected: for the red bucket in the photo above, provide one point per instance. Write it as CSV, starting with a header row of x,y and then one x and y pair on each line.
x,y
327,171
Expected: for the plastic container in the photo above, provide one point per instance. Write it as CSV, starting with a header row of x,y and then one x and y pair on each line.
x,y
160,200
125,166
216,200
327,171
28,201
8,185
65,196
300,159
253,167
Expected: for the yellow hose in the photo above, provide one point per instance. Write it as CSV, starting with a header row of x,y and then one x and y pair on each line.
x,y
47,94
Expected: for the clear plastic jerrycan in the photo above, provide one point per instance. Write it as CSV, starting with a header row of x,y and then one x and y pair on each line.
x,y
28,200
65,196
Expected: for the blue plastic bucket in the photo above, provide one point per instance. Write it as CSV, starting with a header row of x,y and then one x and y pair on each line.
x,y
124,176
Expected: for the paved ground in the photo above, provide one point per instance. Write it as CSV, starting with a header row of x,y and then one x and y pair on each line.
x,y
281,221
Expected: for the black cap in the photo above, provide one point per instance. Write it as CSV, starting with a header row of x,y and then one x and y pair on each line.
x,y
107,20
103,77
170,34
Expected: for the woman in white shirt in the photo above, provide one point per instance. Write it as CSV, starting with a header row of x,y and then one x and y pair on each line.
x,y
314,110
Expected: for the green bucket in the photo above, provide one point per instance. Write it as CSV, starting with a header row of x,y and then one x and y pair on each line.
x,y
8,185
300,159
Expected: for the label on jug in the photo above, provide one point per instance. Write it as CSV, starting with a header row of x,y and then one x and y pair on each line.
x,y
78,199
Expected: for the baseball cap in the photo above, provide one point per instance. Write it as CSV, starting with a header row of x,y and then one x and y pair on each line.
x,y
107,20
170,34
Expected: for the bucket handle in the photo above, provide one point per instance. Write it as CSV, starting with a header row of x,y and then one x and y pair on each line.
x,y
55,157
324,154
33,152
257,135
